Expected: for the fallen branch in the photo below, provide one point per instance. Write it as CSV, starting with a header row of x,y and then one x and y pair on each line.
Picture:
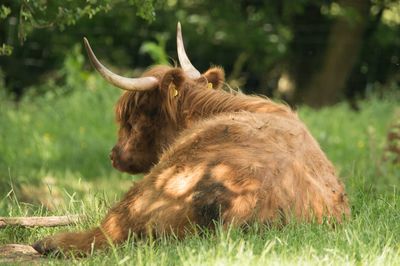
x,y
40,221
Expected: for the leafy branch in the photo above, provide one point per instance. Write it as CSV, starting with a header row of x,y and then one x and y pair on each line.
x,y
59,14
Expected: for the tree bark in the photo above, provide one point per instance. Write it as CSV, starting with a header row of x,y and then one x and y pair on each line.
x,y
327,84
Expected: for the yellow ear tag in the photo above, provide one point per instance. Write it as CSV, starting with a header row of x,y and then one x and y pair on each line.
x,y
173,89
209,85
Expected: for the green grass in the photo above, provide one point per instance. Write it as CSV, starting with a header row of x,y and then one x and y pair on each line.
x,y
53,161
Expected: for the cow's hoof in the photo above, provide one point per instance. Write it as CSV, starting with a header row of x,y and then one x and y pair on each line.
x,y
46,247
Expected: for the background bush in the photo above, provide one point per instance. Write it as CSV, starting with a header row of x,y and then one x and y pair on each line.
x,y
310,51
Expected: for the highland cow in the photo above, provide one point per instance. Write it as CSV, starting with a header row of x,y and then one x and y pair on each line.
x,y
210,156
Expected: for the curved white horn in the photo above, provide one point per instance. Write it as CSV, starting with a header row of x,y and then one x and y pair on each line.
x,y
130,84
184,61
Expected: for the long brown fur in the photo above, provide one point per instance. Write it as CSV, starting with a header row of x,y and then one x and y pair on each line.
x,y
209,156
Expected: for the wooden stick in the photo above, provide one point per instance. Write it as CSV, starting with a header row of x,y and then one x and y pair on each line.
x,y
39,221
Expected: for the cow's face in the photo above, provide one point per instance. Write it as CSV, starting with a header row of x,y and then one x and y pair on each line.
x,y
135,150
146,126
149,114
149,121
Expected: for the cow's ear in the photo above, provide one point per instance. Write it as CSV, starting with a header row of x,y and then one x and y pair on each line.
x,y
172,82
215,77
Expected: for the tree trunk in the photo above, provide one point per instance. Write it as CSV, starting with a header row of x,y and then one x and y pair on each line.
x,y
327,84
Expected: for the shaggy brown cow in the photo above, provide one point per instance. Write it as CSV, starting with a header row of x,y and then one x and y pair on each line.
x,y
211,155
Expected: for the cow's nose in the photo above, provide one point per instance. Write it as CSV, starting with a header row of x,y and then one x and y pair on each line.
x,y
112,153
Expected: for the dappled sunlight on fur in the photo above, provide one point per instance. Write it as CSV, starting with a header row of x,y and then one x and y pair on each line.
x,y
210,156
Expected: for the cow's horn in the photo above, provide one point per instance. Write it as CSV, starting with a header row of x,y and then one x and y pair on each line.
x,y
131,84
184,61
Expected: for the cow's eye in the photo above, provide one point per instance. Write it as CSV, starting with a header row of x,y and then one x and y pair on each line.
x,y
153,113
128,126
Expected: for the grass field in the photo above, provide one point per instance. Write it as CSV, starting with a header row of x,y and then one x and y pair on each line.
x,y
54,161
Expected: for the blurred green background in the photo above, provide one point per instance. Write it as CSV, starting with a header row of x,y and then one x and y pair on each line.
x,y
317,52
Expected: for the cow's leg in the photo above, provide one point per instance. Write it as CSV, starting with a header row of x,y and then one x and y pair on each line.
x,y
114,229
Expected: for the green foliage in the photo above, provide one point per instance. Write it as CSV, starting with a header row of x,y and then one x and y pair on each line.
x,y
156,50
61,14
4,11
145,8
5,50
73,68
255,41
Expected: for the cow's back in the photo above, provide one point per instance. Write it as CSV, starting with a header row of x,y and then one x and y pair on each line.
x,y
246,167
